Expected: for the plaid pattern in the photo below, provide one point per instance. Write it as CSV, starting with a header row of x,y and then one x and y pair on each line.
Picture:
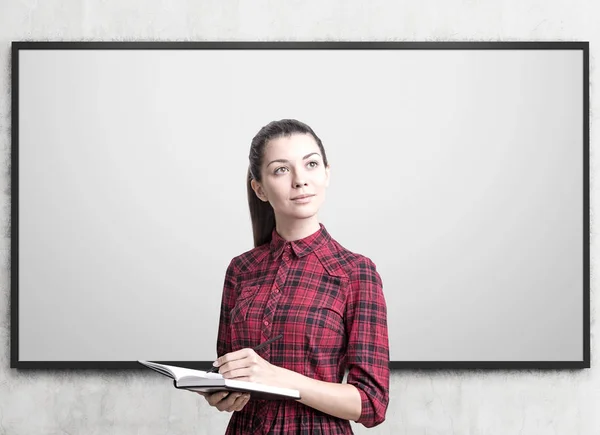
x,y
328,303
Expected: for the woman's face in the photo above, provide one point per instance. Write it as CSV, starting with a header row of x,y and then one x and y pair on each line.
x,y
294,177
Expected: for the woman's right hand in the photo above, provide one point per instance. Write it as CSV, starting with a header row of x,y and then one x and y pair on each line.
x,y
225,400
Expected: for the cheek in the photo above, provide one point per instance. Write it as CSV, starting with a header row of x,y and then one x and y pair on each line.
x,y
321,183
276,193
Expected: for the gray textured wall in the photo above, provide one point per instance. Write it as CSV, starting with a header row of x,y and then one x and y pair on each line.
x,y
448,402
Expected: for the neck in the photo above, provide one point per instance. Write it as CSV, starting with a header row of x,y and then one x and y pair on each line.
x,y
298,228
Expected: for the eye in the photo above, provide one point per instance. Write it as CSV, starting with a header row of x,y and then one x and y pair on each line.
x,y
313,164
277,171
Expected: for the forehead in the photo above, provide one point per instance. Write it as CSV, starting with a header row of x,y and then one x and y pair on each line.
x,y
291,147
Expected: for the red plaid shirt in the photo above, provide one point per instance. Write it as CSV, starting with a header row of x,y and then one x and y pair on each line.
x,y
329,305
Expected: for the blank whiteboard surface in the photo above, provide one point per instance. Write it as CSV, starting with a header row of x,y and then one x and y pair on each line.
x,y
460,173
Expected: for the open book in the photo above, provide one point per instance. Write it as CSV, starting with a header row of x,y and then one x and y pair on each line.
x,y
198,380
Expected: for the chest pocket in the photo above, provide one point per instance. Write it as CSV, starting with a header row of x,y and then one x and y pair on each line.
x,y
239,312
319,318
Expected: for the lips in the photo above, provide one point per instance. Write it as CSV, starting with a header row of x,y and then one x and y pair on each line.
x,y
301,197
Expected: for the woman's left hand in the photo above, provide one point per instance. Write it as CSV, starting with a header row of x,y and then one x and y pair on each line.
x,y
247,365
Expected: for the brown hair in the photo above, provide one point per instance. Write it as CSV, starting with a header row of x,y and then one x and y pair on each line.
x,y
261,213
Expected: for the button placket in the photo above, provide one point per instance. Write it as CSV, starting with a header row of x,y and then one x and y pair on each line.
x,y
278,283
286,252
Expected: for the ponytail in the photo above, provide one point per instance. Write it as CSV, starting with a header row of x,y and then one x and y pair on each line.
x,y
261,214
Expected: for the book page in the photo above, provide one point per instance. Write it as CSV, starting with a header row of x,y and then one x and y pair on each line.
x,y
178,373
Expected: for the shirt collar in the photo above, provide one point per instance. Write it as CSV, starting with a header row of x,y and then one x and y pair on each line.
x,y
300,247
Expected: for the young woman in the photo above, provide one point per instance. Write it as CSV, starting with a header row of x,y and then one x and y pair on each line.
x,y
326,301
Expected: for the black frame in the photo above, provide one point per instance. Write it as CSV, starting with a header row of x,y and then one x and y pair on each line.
x,y
17,46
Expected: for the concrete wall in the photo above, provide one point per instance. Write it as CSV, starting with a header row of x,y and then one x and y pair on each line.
x,y
438,402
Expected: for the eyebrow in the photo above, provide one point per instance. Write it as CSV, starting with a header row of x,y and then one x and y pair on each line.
x,y
287,161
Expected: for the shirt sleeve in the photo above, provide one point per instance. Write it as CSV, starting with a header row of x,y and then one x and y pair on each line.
x,y
227,302
368,345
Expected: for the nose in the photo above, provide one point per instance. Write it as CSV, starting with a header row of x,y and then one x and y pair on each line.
x,y
298,180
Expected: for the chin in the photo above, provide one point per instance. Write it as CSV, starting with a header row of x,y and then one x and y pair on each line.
x,y
303,214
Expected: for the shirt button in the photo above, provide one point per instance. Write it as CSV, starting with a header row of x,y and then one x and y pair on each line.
x,y
275,290
266,323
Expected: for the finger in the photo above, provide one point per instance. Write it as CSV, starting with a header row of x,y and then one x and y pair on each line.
x,y
215,398
233,365
245,374
234,356
227,403
248,363
241,402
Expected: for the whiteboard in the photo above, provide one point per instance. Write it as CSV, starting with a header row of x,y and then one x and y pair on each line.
x,y
460,169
